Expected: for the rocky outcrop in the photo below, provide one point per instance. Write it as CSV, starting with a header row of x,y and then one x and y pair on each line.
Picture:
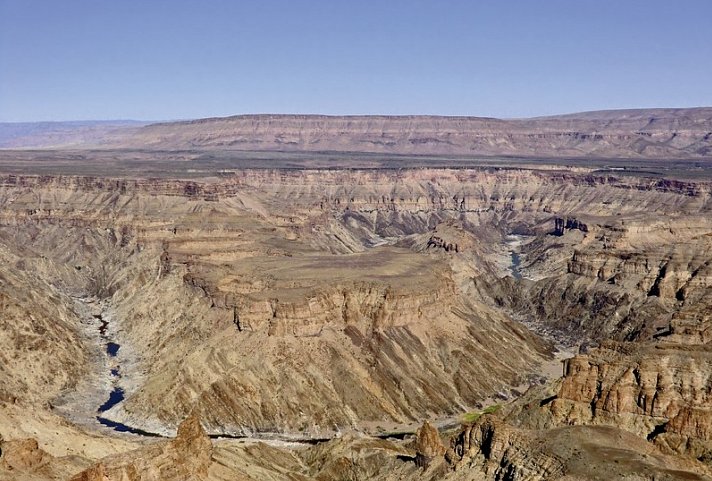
x,y
21,455
500,451
186,458
193,446
428,445
561,225
439,243
98,472
659,392
507,452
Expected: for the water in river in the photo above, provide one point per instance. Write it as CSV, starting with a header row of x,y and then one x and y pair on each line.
x,y
513,243
117,394
516,263
112,349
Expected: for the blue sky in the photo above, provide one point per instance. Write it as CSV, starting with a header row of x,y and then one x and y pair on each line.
x,y
161,59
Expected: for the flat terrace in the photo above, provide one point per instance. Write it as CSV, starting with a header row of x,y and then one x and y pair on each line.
x,y
196,164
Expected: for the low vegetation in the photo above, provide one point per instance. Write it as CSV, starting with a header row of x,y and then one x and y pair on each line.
x,y
473,416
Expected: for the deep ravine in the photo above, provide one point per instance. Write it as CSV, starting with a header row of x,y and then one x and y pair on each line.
x,y
110,375
117,393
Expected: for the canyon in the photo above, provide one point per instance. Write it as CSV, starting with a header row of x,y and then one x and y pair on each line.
x,y
174,309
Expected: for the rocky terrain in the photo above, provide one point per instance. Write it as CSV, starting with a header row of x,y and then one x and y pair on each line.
x,y
299,322
642,134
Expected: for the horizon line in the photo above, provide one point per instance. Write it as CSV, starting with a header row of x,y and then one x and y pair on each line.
x,y
314,114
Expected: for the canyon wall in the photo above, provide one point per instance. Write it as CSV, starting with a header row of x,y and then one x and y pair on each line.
x,y
312,302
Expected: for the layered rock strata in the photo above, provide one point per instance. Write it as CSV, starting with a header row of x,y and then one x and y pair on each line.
x,y
313,302
627,133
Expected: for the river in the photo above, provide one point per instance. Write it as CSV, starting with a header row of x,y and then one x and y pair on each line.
x,y
513,244
103,390
117,393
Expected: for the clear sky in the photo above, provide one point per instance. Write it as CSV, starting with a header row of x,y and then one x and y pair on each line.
x,y
170,59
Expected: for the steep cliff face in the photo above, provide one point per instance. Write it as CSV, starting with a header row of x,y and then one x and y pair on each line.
x,y
504,452
660,392
501,452
626,277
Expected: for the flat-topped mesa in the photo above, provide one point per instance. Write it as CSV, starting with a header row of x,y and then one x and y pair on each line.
x,y
642,133
613,134
368,305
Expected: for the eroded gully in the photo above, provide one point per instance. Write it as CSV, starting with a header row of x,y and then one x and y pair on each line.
x,y
88,403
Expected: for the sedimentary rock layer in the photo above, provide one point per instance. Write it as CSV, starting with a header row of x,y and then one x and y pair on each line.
x,y
313,302
647,133
651,133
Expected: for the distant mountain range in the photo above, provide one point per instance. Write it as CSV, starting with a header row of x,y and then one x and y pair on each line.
x,y
640,133
60,134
